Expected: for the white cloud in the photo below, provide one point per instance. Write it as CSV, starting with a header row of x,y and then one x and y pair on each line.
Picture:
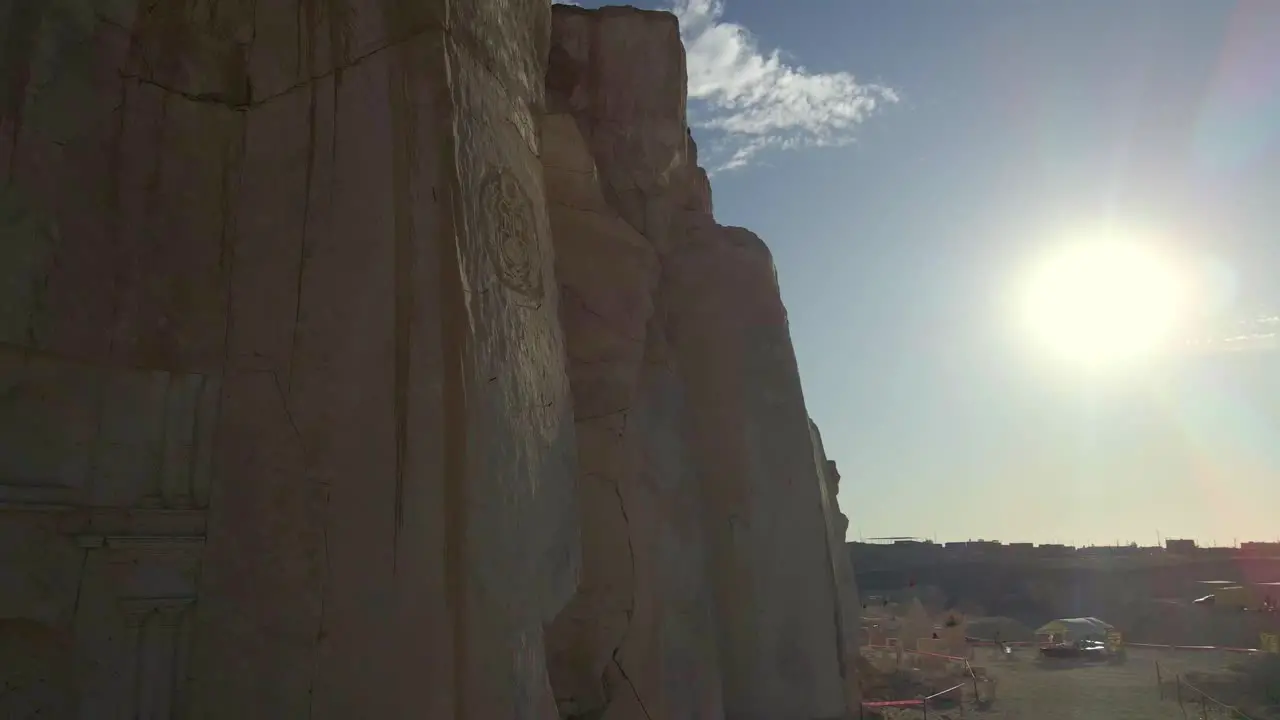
x,y
747,100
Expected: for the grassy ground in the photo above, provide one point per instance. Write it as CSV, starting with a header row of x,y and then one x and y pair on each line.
x,y
1029,690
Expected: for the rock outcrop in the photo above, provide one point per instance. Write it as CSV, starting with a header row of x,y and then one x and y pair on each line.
x,y
714,577
376,358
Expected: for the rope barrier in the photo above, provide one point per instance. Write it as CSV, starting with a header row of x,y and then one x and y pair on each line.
x,y
944,692
1207,698
1201,648
893,703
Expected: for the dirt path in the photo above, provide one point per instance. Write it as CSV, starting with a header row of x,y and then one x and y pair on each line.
x,y
1028,690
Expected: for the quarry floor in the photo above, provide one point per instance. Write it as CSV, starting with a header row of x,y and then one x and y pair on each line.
x,y
1027,690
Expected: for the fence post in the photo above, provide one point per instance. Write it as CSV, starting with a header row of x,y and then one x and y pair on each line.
x,y
924,705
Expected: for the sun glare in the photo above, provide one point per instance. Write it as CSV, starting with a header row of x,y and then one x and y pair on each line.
x,y
1103,304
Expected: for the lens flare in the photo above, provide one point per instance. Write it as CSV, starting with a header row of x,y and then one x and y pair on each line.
x,y
1103,304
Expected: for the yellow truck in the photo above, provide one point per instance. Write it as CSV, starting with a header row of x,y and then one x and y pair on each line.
x,y
1270,643
1238,597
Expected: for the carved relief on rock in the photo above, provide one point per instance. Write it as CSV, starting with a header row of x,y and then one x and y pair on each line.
x,y
81,435
156,665
517,256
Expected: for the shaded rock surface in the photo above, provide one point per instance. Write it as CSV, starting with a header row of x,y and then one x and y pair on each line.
x,y
714,578
382,359
283,303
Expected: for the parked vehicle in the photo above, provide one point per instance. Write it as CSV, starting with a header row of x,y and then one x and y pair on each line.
x,y
1089,650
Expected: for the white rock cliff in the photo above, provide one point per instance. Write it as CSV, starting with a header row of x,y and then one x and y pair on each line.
x,y
383,359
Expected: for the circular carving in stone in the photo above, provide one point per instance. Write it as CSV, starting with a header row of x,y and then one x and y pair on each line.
x,y
517,256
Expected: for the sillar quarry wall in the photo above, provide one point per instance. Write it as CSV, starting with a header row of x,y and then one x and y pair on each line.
x,y
383,359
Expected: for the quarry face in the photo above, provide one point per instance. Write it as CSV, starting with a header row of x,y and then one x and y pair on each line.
x,y
384,359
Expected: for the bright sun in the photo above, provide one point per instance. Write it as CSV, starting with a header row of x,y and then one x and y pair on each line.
x,y
1103,304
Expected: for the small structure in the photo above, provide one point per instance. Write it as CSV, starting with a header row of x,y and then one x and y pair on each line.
x,y
952,629
873,635
914,626
1065,630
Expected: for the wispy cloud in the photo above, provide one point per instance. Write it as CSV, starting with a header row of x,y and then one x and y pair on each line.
x,y
745,100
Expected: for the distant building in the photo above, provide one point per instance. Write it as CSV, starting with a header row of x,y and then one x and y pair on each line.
x,y
1096,551
973,548
1054,550
1180,547
1260,549
892,552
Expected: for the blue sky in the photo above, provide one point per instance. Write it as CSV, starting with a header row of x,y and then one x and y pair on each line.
x,y
904,159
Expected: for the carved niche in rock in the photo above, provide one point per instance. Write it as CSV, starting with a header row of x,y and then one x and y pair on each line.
x,y
75,434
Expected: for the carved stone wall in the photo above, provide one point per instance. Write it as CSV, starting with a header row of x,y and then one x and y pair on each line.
x,y
284,424
78,434
110,592
381,358
104,481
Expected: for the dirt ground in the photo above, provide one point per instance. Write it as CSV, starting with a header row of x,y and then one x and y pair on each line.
x,y
1030,690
